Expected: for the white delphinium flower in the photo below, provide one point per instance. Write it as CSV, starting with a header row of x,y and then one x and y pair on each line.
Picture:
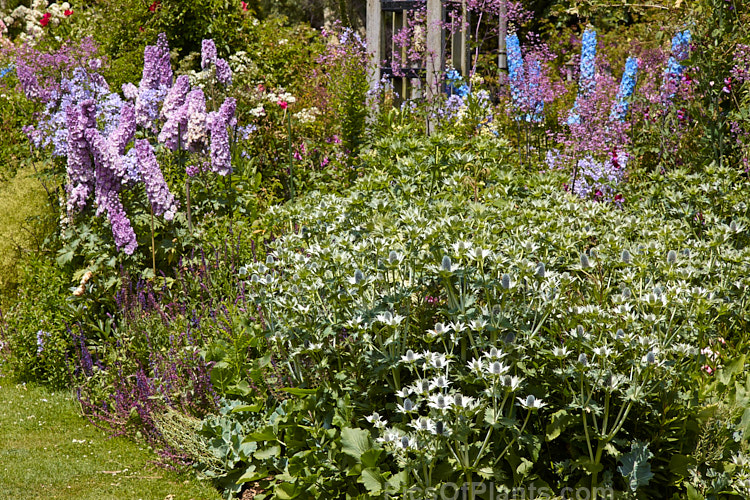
x,y
531,402
377,421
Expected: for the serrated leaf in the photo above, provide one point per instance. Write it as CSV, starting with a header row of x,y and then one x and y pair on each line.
x,y
268,452
635,467
355,442
560,421
373,480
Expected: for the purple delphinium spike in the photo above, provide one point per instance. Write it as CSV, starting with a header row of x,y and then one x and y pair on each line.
x,y
175,96
223,72
80,170
125,131
156,80
208,53
173,132
162,200
164,65
221,158
196,125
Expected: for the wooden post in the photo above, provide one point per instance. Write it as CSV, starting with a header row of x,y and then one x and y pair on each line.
x,y
374,34
435,54
460,54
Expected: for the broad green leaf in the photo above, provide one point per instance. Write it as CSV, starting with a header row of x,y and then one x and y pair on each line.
x,y
373,480
370,457
268,452
692,493
635,467
560,421
355,442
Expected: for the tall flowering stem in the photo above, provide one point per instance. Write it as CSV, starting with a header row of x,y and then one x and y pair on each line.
x,y
515,69
627,86
291,158
587,80
674,69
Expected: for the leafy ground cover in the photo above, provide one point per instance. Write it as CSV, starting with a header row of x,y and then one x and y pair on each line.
x,y
47,450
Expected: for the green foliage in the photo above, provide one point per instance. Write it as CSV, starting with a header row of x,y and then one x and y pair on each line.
x,y
36,327
719,27
420,244
26,222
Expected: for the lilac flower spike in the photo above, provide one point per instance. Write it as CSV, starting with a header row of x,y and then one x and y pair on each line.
x,y
156,80
80,169
221,158
196,122
175,96
223,72
162,200
208,53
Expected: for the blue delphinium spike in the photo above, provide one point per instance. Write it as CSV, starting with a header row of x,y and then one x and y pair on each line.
x,y
515,69
673,71
587,80
627,86
535,73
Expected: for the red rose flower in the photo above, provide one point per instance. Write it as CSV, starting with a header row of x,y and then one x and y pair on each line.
x,y
283,104
244,5
68,13
44,21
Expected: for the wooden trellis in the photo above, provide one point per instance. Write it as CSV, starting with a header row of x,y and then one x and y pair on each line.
x,y
386,17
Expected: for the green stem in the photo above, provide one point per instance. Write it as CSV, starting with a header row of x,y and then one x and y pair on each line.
x,y
291,164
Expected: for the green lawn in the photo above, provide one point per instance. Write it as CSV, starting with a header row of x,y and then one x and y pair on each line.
x,y
48,451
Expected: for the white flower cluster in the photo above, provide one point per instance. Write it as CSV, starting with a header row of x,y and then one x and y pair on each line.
x,y
306,115
29,18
